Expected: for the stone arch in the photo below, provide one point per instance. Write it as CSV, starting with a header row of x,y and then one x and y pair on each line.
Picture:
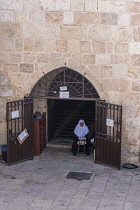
x,y
52,68
78,86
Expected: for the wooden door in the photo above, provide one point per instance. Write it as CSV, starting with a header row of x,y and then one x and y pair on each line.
x,y
19,130
108,134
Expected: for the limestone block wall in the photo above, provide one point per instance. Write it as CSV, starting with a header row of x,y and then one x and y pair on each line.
x,y
98,38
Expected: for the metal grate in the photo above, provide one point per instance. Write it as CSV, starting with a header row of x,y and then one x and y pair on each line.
x,y
108,134
77,85
79,175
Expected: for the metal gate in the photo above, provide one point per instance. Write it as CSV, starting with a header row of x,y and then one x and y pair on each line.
x,y
19,130
108,134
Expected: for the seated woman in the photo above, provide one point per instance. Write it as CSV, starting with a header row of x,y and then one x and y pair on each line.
x,y
80,131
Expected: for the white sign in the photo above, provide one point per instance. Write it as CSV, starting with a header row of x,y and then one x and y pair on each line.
x,y
22,136
63,88
63,94
110,122
15,114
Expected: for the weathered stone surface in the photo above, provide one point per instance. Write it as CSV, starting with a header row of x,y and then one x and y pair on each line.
x,y
10,5
133,72
1,67
47,32
39,45
125,85
99,32
65,54
1,42
121,34
6,91
27,68
98,47
68,17
120,59
135,60
89,59
62,5
6,15
135,48
3,57
54,17
102,59
50,45
124,19
120,6
43,57
21,16
135,20
73,64
10,68
8,45
108,18
71,32
29,30
54,56
135,34
121,48
3,79
37,17
77,57
28,45
84,46
49,5
136,86
130,98
110,47
77,5
19,44
29,57
120,71
62,45
59,62
15,57
90,6
86,18
106,6
73,46
106,71
95,71
133,7
10,30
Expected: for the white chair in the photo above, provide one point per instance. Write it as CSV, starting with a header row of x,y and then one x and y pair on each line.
x,y
81,143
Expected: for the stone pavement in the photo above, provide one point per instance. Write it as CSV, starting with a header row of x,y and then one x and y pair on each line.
x,y
41,184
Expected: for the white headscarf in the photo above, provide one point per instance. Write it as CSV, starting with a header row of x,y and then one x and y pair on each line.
x,y
81,131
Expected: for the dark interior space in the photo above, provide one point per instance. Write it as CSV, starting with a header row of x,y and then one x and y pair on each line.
x,y
63,116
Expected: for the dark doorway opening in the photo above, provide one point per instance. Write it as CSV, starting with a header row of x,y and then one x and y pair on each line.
x,y
63,116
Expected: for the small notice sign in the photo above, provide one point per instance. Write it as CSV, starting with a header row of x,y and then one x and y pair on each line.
x,y
110,122
63,88
22,136
63,94
15,114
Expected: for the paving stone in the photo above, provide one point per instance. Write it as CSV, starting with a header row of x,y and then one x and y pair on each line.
x,y
41,184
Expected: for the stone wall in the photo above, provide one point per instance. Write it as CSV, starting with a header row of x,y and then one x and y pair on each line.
x,y
99,38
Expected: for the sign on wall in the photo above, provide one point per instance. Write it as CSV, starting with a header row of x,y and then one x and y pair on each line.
x,y
63,94
22,136
15,114
110,122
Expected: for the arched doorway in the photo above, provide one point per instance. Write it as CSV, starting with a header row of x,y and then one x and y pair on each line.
x,y
61,80
65,85
70,96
